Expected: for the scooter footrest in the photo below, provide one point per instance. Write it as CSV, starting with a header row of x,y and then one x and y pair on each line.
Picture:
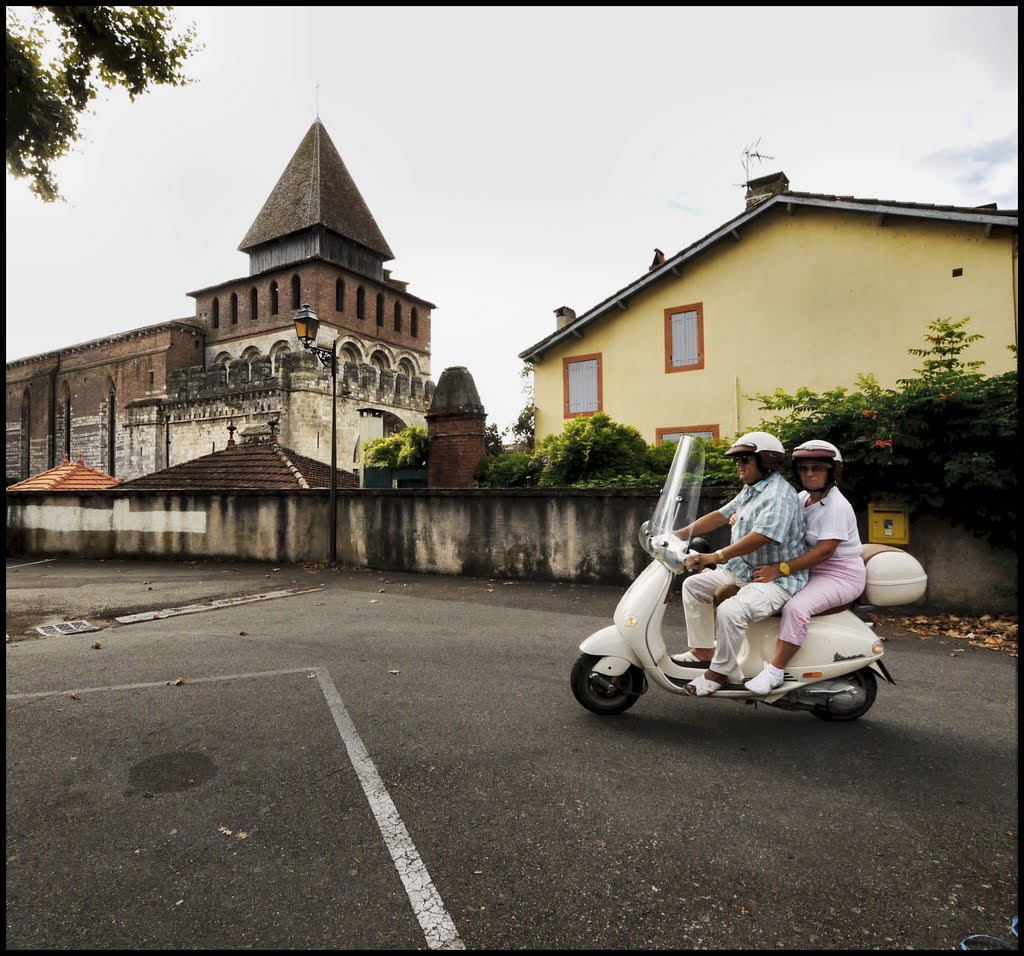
x,y
683,681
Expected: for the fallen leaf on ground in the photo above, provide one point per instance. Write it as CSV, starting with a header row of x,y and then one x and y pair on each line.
x,y
995,632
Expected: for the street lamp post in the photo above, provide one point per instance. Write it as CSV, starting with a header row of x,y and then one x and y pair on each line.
x,y
306,326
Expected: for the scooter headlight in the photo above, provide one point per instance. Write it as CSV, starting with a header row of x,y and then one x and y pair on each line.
x,y
877,648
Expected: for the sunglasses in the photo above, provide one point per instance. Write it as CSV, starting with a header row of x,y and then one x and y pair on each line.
x,y
743,459
813,469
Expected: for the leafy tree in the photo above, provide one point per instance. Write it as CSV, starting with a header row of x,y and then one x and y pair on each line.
x,y
591,447
130,47
944,441
405,449
493,440
524,427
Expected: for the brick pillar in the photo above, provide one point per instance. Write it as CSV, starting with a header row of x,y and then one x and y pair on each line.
x,y
455,423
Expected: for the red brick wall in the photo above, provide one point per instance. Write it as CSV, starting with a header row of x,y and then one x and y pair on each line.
x,y
317,289
87,372
456,448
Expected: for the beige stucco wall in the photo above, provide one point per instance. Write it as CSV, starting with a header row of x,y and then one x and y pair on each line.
x,y
532,534
808,299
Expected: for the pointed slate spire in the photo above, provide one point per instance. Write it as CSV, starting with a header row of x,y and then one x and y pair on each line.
x,y
316,189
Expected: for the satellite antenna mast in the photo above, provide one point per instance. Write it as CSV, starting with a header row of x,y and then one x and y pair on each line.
x,y
751,152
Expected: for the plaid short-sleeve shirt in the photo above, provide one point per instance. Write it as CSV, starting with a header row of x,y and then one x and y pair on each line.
x,y
769,507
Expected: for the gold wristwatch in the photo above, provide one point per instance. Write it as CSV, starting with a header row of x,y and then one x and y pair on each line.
x,y
784,569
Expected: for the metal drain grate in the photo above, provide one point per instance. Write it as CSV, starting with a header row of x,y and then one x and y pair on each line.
x,y
66,627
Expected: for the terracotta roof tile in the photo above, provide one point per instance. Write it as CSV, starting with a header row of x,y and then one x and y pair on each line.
x,y
263,466
68,476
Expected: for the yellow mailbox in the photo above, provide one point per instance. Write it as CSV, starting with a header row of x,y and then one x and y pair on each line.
x,y
888,523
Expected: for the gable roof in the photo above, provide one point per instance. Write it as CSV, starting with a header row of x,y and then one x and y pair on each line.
x,y
316,189
68,476
263,466
987,217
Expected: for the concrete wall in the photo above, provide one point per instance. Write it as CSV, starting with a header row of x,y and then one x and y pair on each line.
x,y
561,535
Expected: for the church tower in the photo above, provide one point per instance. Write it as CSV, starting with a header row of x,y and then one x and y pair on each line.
x,y
315,242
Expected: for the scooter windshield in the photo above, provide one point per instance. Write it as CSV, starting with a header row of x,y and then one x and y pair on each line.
x,y
680,498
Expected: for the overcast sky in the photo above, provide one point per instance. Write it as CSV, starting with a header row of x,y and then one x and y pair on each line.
x,y
516,159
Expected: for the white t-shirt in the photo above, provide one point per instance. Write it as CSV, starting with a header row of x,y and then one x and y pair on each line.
x,y
833,519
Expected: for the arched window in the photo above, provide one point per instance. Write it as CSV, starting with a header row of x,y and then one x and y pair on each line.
x,y
398,316
380,310
67,424
26,433
349,354
414,323
339,295
296,292
406,366
273,298
360,303
215,312
254,304
380,361
234,308
277,352
111,433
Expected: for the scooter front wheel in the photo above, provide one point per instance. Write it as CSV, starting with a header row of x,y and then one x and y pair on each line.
x,y
602,693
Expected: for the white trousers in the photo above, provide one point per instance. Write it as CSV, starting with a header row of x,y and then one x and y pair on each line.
x,y
724,628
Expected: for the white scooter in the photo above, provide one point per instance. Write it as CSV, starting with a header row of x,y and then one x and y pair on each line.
x,y
833,675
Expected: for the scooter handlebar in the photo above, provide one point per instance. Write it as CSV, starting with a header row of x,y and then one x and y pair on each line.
x,y
670,550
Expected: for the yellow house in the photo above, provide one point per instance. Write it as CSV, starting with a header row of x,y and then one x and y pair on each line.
x,y
799,290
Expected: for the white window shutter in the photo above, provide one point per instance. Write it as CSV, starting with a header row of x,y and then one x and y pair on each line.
x,y
684,339
583,386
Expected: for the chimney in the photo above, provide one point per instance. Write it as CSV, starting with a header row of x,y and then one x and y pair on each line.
x,y
764,187
564,316
231,434
456,422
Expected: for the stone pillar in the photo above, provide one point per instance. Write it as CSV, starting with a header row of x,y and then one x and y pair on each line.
x,y
455,423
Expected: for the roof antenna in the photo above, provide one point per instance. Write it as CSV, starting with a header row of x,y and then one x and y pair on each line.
x,y
749,153
316,98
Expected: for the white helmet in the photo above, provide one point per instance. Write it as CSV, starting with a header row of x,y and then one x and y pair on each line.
x,y
769,450
821,451
817,445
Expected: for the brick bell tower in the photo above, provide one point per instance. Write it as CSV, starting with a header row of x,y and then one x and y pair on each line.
x,y
455,424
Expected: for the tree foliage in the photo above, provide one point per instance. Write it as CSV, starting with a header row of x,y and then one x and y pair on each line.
x,y
595,451
56,64
405,449
943,441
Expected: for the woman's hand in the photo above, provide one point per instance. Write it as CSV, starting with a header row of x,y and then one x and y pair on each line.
x,y
766,573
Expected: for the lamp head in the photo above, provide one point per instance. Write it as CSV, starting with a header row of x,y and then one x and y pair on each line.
x,y
306,326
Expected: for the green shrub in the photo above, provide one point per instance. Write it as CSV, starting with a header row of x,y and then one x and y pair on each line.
x,y
943,442
590,448
405,449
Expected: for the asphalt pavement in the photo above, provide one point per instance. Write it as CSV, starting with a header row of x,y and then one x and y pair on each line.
x,y
303,757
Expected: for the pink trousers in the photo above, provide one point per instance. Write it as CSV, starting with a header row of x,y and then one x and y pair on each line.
x,y
831,583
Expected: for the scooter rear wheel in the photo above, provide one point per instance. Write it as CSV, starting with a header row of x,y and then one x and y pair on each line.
x,y
601,693
865,689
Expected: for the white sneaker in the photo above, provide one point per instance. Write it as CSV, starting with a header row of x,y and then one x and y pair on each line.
x,y
764,683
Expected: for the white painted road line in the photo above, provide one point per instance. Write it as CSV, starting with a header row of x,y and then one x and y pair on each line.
x,y
428,907
212,605
438,927
14,567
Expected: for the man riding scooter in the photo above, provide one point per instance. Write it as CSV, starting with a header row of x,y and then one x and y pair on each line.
x,y
767,527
